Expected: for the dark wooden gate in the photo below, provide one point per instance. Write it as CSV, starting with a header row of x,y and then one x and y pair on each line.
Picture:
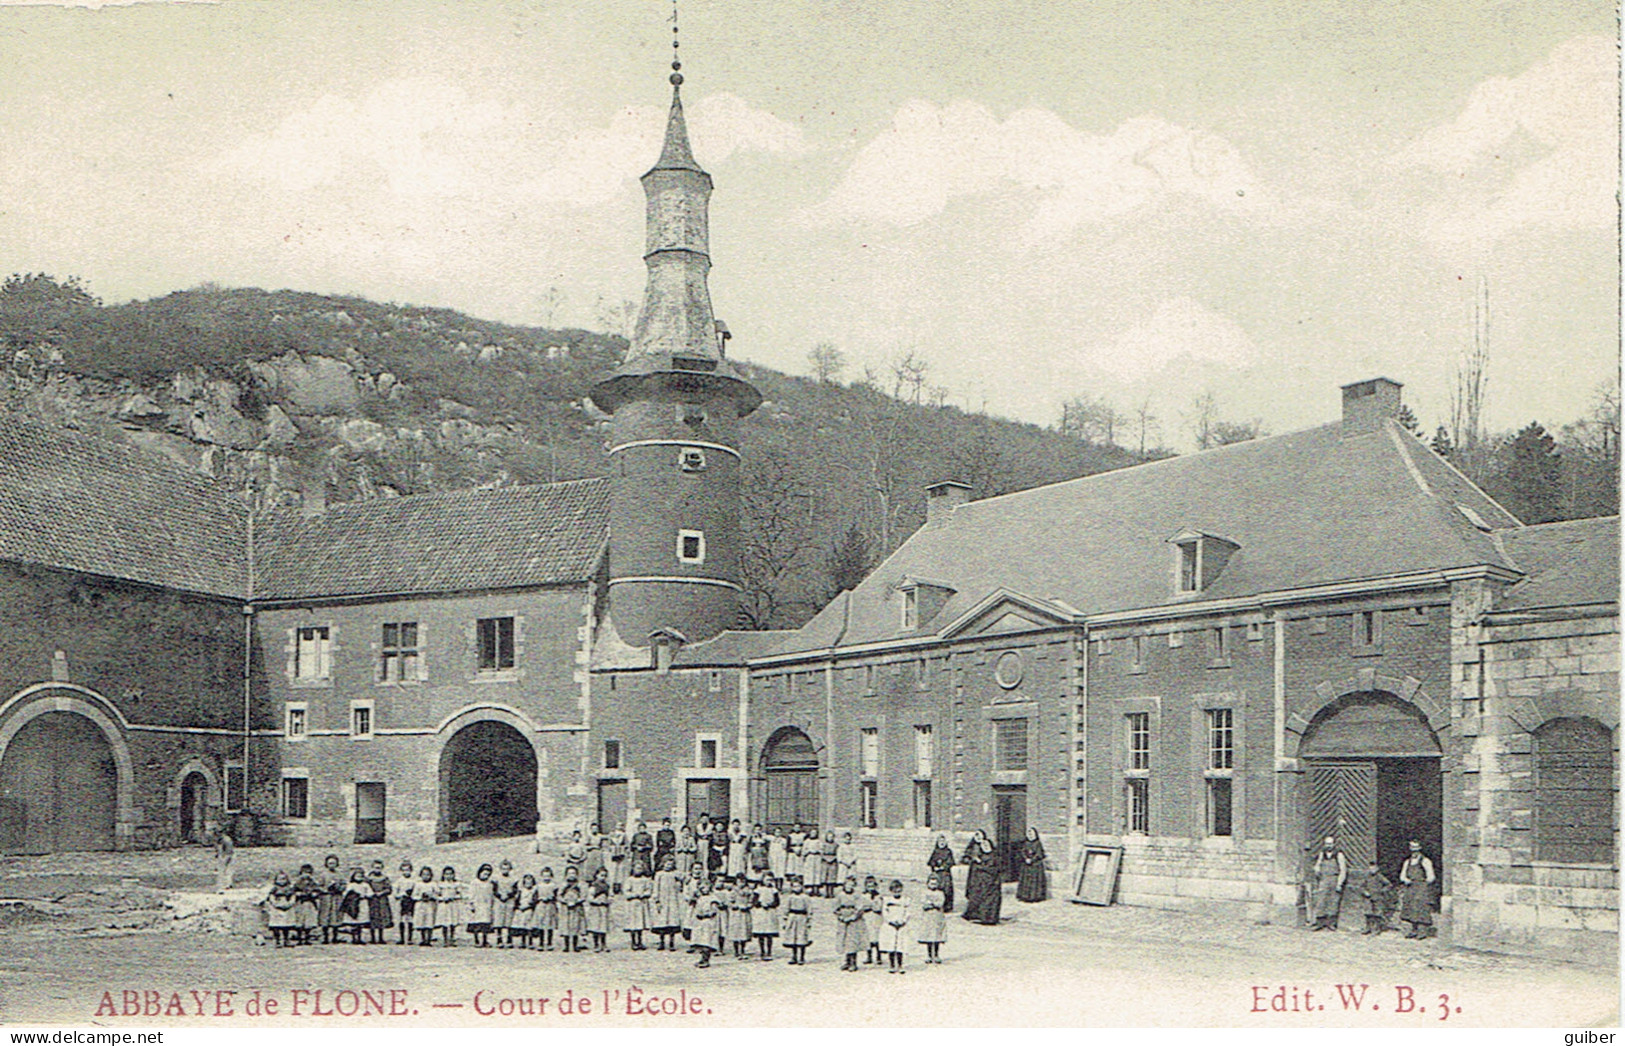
x,y
1343,804
710,796
1010,827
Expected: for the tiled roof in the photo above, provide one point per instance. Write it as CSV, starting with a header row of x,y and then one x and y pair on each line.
x,y
74,501
1567,564
1307,508
500,537
730,648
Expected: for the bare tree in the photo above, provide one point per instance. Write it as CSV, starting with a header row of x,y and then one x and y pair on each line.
x,y
777,545
1468,390
908,376
548,304
1092,419
827,363
1203,413
617,317
1145,423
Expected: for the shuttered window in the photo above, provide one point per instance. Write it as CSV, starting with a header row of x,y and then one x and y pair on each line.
x,y
1574,795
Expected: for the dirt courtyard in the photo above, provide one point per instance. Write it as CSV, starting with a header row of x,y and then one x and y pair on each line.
x,y
141,940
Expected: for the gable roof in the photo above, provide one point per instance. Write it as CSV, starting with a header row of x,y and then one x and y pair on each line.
x,y
1573,563
498,537
1306,508
73,501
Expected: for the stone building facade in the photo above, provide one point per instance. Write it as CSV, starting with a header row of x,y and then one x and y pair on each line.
x,y
1210,662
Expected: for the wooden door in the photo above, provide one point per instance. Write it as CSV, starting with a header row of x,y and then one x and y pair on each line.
x,y
792,798
712,796
1343,804
1010,827
612,796
369,812
193,791
59,787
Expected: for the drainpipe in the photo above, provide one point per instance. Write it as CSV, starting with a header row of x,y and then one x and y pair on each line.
x,y
248,658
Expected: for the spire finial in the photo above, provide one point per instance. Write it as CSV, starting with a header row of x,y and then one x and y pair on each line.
x,y
676,76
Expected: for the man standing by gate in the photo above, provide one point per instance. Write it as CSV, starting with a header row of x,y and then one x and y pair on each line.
x,y
1416,882
1331,873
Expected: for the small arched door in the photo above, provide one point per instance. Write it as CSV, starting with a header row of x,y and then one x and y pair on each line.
x,y
790,769
194,807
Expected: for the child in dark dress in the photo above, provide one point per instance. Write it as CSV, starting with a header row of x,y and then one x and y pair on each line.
x,y
380,906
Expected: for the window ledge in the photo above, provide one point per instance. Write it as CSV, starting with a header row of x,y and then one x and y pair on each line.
x,y
506,675
398,682
310,684
1366,651
1221,663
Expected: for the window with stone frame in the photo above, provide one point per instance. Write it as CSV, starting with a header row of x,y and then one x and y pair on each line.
x,y
398,652
313,653
494,642
1009,745
1137,773
1574,792
295,797
1220,768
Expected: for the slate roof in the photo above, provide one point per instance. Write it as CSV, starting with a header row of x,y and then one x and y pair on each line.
x,y
80,501
500,537
73,501
1306,508
1573,563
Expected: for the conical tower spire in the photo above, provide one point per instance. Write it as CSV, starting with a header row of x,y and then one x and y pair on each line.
x,y
675,548
676,331
675,153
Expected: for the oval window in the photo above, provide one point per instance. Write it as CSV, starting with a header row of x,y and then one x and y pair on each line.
x,y
1007,669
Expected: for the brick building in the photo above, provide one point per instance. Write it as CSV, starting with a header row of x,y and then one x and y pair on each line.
x,y
1209,661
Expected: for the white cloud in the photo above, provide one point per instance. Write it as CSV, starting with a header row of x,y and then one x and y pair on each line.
x,y
429,139
1181,331
1562,114
929,156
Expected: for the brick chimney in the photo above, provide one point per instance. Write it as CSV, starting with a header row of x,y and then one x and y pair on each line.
x,y
1367,403
941,498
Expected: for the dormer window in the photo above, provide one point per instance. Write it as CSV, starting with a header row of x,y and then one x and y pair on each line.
x,y
923,599
1190,566
1199,559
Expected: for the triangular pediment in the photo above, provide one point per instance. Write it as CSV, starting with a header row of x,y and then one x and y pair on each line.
x,y
1005,612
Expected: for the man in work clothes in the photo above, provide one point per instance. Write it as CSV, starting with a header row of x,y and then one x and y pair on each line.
x,y
1416,882
1331,873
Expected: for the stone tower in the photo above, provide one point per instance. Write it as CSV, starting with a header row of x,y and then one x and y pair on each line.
x,y
674,542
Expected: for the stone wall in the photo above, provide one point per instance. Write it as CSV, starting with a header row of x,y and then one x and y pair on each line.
x,y
1514,674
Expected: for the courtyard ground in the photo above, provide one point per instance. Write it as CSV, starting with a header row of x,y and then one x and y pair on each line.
x,y
140,933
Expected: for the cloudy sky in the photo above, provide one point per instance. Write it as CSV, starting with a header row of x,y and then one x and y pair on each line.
x,y
1040,197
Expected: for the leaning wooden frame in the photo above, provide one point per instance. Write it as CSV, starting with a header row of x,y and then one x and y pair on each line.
x,y
1096,881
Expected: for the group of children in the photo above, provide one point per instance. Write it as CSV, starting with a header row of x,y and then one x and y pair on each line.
x,y
712,915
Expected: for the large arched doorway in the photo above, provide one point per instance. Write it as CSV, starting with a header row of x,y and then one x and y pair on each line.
x,y
58,787
487,783
790,767
194,807
1373,775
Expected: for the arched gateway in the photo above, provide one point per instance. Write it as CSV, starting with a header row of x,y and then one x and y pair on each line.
x,y
487,782
1373,765
58,786
790,769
